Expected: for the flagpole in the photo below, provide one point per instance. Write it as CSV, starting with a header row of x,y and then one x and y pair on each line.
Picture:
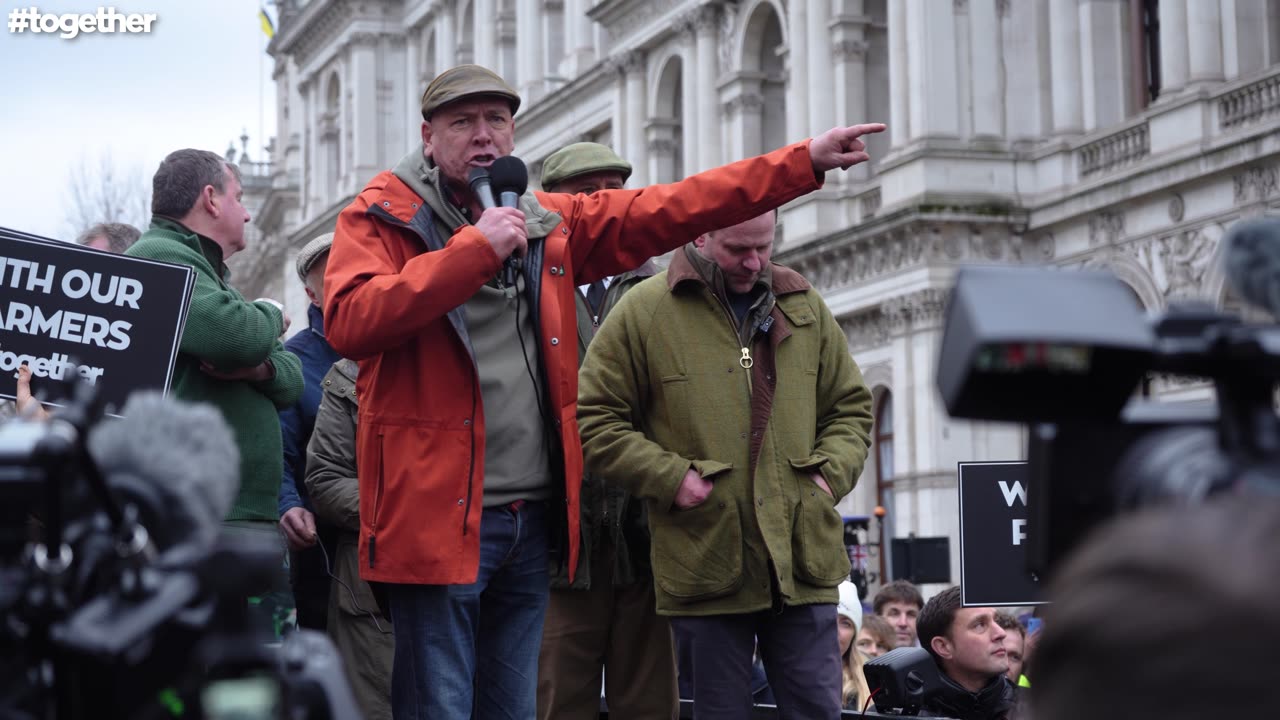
x,y
261,51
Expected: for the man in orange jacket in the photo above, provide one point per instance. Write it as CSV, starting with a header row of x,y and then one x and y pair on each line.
x,y
467,436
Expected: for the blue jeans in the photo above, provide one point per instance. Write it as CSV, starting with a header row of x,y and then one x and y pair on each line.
x,y
460,647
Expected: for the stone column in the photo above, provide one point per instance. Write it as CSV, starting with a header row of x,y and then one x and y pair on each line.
x,y
798,70
1064,66
986,48
662,148
365,108
743,114
706,70
900,130
1204,37
579,40
617,128
633,65
1173,46
413,85
849,54
446,40
529,49
820,71
1103,73
935,106
485,24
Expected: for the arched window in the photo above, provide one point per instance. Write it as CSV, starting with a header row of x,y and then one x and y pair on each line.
x,y
765,113
882,445
666,128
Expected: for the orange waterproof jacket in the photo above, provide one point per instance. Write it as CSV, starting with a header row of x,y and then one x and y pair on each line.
x,y
393,289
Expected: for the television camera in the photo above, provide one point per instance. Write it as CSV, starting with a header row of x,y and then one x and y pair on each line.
x,y
119,595
1068,353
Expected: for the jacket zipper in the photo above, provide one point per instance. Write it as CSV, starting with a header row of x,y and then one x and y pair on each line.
x,y
745,360
377,505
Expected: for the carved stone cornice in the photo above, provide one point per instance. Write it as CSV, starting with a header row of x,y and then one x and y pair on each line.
x,y
746,102
1257,183
624,19
625,63
706,18
849,49
915,243
1106,228
1176,262
920,310
662,146
314,28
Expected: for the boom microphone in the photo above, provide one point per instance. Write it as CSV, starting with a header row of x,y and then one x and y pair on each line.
x,y
1252,262
177,463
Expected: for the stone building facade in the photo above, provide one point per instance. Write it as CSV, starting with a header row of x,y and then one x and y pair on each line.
x,y
1122,134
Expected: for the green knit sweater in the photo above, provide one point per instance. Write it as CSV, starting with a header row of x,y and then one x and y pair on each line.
x,y
230,333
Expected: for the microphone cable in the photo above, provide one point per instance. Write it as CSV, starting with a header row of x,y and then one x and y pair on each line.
x,y
328,570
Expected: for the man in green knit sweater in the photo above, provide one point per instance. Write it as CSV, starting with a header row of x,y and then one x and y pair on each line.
x,y
231,355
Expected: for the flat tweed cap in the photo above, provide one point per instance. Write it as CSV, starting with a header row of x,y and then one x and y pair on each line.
x,y
465,81
580,159
311,253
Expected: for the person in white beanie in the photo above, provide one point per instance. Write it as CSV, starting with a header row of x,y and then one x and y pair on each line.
x,y
854,690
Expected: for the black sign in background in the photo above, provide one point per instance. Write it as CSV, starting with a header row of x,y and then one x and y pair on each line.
x,y
156,326
993,571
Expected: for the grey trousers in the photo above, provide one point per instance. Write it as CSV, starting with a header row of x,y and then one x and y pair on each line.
x,y
800,648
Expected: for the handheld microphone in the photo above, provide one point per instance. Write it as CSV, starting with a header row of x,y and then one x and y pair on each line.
x,y
1252,262
511,179
479,179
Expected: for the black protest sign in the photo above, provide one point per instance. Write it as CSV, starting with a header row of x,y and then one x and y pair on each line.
x,y
69,311
993,535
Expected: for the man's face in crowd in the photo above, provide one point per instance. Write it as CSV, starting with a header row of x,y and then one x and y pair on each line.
x,y
902,616
973,648
869,646
1014,647
741,252
589,183
468,134
231,215
315,281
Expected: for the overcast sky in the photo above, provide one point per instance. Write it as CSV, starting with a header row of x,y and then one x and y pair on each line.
x,y
195,81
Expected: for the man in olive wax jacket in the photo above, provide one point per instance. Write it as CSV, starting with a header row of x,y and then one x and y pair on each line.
x,y
723,392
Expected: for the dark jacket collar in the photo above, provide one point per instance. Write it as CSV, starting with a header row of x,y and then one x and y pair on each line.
x,y
211,250
992,702
315,319
688,265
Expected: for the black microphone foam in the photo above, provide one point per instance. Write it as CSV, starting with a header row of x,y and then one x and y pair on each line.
x,y
510,179
177,462
479,179
1252,262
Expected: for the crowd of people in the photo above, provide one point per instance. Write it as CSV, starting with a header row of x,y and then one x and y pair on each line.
x,y
520,469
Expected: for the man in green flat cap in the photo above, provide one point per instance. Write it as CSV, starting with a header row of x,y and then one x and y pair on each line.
x,y
605,620
467,434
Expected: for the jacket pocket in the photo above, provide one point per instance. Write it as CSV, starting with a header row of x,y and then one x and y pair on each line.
x,y
817,540
697,553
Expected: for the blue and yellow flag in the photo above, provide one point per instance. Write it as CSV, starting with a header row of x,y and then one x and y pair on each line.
x,y
267,26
